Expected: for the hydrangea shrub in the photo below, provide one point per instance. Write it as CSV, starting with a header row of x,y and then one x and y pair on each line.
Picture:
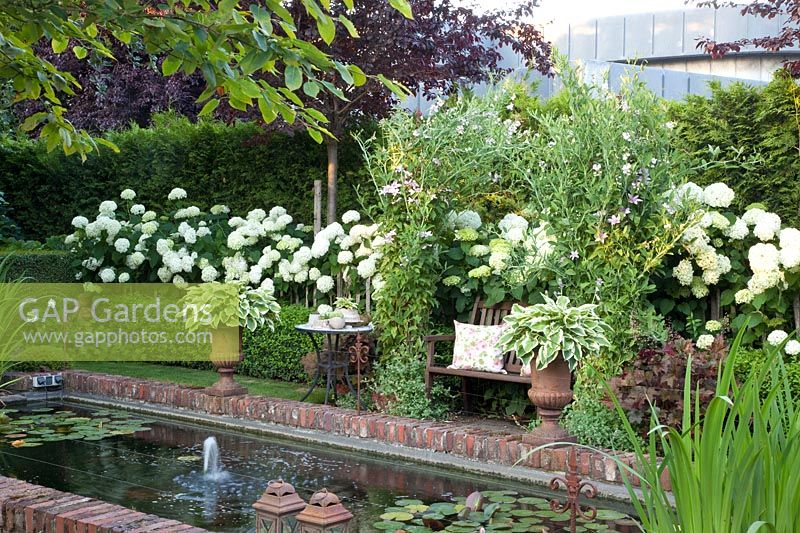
x,y
128,243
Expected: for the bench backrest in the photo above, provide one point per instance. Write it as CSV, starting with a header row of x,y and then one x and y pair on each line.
x,y
493,315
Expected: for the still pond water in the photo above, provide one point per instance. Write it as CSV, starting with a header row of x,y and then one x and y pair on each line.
x,y
160,470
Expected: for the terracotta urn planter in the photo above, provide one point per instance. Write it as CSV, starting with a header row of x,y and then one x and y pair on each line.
x,y
225,362
550,392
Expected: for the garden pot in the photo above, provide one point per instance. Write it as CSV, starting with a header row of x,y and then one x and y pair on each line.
x,y
337,322
313,318
550,392
225,362
350,316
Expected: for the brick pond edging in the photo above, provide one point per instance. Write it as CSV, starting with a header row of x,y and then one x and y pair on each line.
x,y
29,508
481,444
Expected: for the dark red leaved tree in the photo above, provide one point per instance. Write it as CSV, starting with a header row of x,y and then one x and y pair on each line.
x,y
788,36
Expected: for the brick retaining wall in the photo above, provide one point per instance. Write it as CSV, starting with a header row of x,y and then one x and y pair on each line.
x,y
460,439
29,508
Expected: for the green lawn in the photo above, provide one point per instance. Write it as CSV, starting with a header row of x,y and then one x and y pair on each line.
x,y
202,378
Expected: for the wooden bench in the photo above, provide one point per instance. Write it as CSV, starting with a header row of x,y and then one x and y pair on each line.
x,y
481,315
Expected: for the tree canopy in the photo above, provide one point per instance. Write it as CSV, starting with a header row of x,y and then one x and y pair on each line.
x,y
787,37
231,46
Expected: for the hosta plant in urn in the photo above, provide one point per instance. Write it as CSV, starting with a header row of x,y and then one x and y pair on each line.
x,y
226,308
349,309
553,337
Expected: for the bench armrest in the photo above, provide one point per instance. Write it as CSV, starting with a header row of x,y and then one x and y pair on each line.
x,y
430,345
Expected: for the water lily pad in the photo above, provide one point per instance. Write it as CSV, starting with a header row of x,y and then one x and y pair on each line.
x,y
16,435
388,526
443,508
532,500
607,514
42,410
397,516
521,512
416,508
30,444
502,498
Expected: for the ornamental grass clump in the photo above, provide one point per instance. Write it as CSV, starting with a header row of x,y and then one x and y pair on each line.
x,y
546,330
733,465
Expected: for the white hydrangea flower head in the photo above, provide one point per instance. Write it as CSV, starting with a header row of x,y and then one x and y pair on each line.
x,y
698,288
124,277
743,296
134,260
149,228
107,275
209,274
257,215
363,251
346,242
268,285
467,219
479,250
366,268
127,194
203,231
767,226
684,272
325,284
713,326
80,222
235,267
70,239
176,194
107,208
737,231
350,217
314,274
255,274
220,209
301,277
324,309
752,215
345,257
236,241
762,281
718,195
704,342
137,209
688,192
122,245
792,347
276,212
513,227
178,281
164,274
776,337
763,257
789,239
148,216
320,247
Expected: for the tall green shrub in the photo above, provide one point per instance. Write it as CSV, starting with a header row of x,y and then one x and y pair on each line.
x,y
238,165
754,134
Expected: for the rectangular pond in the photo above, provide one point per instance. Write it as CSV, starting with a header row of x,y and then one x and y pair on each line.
x,y
157,466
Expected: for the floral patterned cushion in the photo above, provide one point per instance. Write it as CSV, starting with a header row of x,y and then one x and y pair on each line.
x,y
477,348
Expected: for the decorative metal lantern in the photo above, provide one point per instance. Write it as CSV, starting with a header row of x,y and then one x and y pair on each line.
x,y
277,508
324,514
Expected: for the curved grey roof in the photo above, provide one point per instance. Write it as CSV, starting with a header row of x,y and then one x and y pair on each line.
x,y
663,35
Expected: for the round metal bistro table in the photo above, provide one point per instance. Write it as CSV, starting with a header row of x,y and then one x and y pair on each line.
x,y
331,357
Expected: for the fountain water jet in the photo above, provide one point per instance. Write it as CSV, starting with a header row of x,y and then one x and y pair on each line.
x,y
212,468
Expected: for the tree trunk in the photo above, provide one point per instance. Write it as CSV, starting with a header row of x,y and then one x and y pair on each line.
x,y
333,169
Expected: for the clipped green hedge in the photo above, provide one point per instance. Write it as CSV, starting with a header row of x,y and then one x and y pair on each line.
x,y
756,132
276,354
39,266
239,165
